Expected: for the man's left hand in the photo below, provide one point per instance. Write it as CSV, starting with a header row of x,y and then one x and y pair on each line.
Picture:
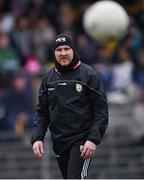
x,y
89,150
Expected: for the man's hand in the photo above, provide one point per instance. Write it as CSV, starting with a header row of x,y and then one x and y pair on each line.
x,y
89,150
38,149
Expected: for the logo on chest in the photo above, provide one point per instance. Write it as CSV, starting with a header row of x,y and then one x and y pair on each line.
x,y
78,87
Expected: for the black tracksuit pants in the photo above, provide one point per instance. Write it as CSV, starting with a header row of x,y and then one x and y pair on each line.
x,y
70,163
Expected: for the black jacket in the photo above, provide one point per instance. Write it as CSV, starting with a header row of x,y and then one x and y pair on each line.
x,y
73,106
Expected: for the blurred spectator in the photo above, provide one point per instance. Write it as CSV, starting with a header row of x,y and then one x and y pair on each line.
x,y
102,64
134,39
36,10
52,14
133,42
19,105
136,10
9,59
86,48
18,8
122,71
66,18
2,107
43,35
33,66
121,78
2,112
36,81
138,72
137,126
7,22
22,37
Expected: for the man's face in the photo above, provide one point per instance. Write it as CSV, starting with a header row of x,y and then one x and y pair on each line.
x,y
64,55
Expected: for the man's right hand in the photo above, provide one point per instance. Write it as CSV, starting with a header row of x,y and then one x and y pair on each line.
x,y
38,149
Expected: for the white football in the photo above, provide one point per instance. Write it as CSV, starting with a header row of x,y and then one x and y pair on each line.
x,y
106,21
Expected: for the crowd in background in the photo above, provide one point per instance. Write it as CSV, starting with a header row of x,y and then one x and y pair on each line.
x,y
27,30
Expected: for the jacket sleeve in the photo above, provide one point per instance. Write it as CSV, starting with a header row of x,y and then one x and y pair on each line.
x,y
99,106
42,118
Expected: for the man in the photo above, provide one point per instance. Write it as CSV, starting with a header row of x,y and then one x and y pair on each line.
x,y
72,103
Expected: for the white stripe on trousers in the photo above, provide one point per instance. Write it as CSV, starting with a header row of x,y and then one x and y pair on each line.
x,y
85,168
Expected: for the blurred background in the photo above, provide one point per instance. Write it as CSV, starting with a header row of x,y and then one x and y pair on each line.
x,y
27,29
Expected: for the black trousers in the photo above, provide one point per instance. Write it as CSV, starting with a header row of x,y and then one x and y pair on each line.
x,y
70,163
